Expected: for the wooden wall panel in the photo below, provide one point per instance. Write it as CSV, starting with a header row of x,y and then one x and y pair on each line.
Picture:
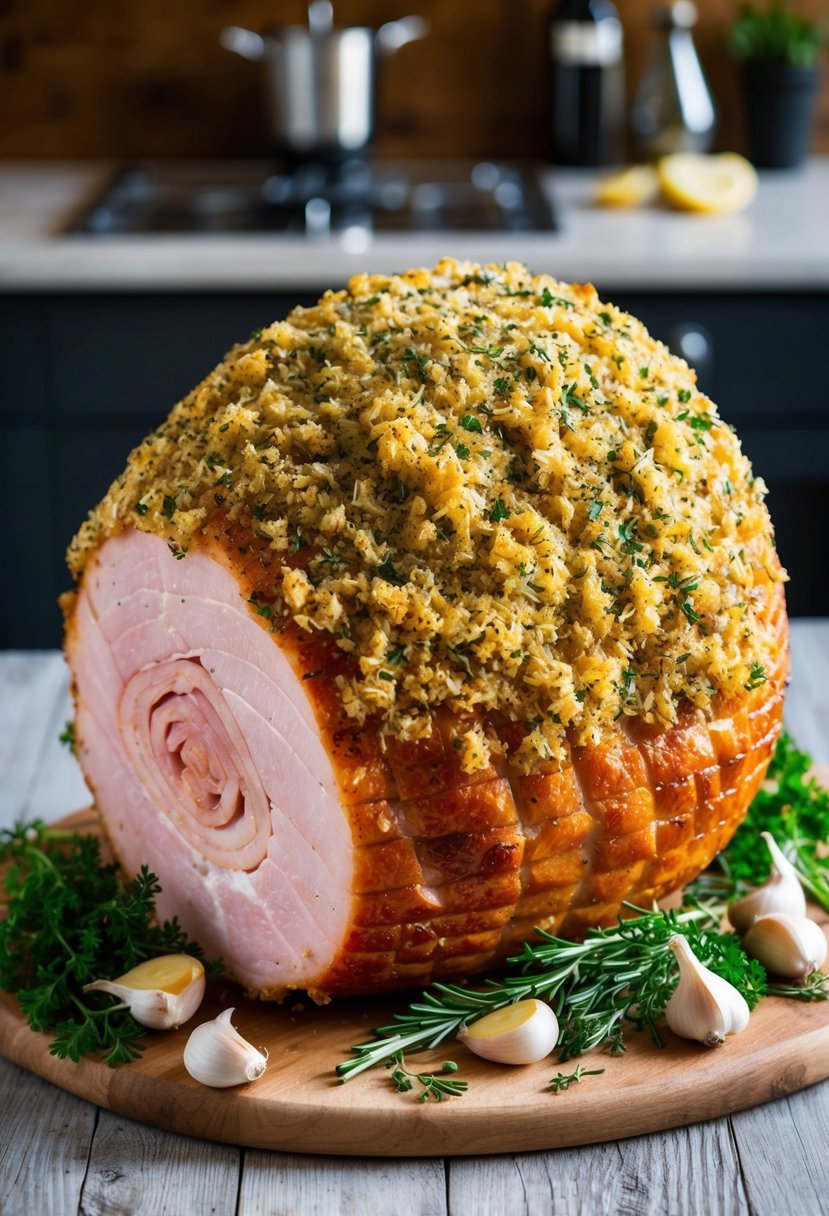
x,y
133,78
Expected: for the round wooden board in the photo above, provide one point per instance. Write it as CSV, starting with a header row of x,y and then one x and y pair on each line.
x,y
299,1105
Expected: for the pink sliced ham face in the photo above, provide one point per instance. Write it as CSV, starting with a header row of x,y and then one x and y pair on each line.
x,y
207,762
194,763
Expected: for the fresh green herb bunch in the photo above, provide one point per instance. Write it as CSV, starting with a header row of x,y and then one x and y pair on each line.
x,y
795,809
69,920
775,33
618,975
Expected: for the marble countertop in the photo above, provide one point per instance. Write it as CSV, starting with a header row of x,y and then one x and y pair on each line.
x,y
781,242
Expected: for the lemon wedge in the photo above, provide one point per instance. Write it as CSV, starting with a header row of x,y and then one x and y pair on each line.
x,y
629,188
714,184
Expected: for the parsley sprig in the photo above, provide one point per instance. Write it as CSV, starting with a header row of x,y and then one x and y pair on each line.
x,y
621,975
69,920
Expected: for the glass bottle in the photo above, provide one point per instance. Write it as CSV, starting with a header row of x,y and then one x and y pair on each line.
x,y
673,110
587,65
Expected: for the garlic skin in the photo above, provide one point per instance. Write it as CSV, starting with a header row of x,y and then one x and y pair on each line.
x,y
217,1055
704,1006
522,1033
781,892
789,946
162,993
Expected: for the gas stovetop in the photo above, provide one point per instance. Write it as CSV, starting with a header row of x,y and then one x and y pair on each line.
x,y
352,200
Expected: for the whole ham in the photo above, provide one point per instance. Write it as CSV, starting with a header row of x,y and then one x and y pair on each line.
x,y
345,783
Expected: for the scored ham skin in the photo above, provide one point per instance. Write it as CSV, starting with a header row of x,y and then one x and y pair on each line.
x,y
310,853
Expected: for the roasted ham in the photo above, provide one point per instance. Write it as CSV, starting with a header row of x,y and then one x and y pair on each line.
x,y
443,610
309,856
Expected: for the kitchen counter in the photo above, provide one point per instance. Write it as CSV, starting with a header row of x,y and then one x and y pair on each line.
x,y
780,243
60,1155
99,336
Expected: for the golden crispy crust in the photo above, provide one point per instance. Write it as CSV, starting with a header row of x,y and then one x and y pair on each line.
x,y
498,477
453,870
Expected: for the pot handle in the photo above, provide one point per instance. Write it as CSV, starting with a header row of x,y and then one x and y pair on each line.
x,y
242,42
394,34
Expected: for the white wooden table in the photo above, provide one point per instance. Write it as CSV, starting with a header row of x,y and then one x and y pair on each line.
x,y
60,1155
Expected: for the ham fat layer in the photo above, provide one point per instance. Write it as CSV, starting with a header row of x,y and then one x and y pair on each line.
x,y
309,853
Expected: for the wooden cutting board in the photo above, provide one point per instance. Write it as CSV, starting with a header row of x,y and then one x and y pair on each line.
x,y
300,1106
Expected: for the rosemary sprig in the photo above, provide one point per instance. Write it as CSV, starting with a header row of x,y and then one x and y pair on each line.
x,y
433,1084
615,975
562,1081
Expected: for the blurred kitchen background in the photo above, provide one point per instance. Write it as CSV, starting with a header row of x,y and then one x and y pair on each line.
x,y
170,181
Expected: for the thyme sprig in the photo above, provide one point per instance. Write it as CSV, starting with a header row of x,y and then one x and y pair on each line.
x,y
435,1085
618,975
562,1081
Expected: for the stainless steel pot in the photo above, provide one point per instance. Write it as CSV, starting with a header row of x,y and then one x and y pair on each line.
x,y
320,80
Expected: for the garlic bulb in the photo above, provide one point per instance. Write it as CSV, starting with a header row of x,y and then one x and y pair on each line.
x,y
789,946
781,892
217,1055
704,1006
162,992
518,1034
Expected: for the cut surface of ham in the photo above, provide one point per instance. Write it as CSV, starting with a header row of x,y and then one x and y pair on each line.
x,y
206,761
311,853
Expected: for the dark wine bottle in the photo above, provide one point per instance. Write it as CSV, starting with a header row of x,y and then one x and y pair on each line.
x,y
588,94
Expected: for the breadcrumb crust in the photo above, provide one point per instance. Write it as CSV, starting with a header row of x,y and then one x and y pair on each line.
x,y
498,493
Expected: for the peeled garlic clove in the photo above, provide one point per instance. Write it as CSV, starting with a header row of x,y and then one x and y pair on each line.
x,y
789,946
162,992
518,1034
217,1055
781,892
704,1006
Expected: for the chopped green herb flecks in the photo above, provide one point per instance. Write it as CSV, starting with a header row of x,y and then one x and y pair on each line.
x,y
260,608
387,571
757,676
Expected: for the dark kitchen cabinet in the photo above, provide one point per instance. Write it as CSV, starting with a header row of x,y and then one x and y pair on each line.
x,y
84,377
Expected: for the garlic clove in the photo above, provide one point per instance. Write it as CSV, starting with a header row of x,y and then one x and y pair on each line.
x,y
789,946
217,1055
517,1034
781,892
704,1006
162,993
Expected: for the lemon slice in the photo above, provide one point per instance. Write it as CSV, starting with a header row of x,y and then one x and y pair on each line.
x,y
638,184
716,184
